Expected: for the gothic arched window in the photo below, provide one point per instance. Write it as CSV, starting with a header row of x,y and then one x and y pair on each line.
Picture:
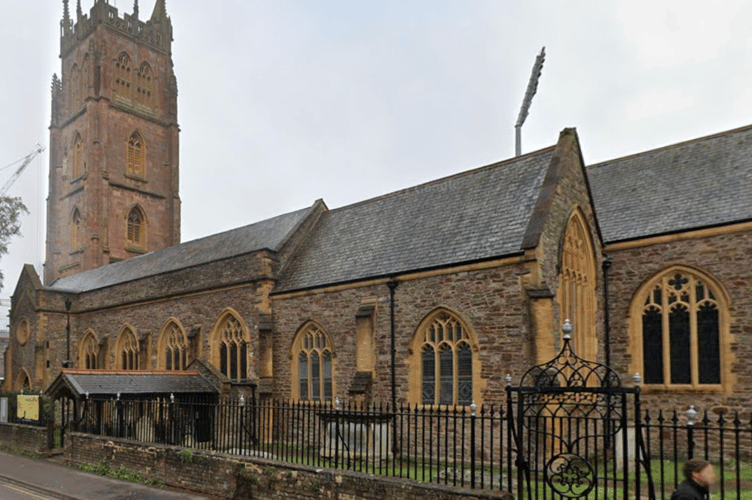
x,y
76,230
136,155
577,278
75,88
173,347
88,355
681,325
231,347
136,235
145,85
126,350
76,163
446,360
122,78
313,356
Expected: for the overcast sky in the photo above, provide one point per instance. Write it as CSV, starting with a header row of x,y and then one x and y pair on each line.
x,y
283,102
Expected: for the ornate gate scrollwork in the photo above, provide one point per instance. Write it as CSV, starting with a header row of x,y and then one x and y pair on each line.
x,y
565,418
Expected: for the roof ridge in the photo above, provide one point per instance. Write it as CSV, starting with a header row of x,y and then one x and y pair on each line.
x,y
81,371
674,145
444,179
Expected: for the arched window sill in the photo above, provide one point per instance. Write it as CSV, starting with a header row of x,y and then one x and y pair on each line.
x,y
698,389
136,177
79,178
134,249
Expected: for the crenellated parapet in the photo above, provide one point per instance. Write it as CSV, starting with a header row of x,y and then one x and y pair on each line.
x,y
156,32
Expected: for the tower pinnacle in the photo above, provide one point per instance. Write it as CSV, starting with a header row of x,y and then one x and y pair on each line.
x,y
135,9
160,11
66,17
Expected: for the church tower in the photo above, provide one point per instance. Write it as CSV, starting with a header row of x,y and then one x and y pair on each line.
x,y
113,180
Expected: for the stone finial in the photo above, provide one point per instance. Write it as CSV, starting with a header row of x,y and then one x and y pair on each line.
x,y
135,9
79,12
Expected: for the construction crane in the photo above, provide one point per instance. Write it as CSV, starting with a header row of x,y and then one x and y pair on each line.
x,y
24,163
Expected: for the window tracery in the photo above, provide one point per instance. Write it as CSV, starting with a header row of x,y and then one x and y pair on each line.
x,y
313,355
577,278
135,236
681,330
232,347
126,354
174,348
446,362
136,157
122,76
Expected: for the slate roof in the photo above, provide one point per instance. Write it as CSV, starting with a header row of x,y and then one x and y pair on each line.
x,y
475,215
267,234
111,382
700,183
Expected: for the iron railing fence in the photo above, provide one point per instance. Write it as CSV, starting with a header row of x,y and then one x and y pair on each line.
x,y
724,439
453,446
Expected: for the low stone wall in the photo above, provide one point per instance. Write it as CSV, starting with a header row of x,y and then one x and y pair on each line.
x,y
230,477
24,437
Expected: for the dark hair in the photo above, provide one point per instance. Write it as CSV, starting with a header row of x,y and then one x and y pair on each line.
x,y
694,465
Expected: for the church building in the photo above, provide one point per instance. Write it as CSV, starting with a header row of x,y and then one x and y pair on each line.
x,y
430,295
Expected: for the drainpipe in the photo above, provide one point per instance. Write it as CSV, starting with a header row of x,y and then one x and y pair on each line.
x,y
607,262
68,305
392,287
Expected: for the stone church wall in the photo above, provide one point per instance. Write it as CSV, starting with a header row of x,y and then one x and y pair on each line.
x,y
491,301
725,257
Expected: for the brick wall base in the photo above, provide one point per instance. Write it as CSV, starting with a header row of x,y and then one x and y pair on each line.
x,y
235,478
24,437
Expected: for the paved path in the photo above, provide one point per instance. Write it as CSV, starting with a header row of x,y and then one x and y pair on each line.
x,y
44,480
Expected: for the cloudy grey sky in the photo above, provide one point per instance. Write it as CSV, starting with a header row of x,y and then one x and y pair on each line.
x,y
283,102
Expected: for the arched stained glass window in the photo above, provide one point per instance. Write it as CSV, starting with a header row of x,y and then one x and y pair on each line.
x,y
446,362
89,352
173,348
126,352
681,330
233,348
314,354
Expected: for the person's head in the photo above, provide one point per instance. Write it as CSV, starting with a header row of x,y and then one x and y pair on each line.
x,y
700,471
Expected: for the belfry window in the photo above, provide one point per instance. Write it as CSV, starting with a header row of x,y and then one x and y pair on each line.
x,y
122,78
446,362
77,160
136,161
314,362
681,325
76,230
136,228
145,85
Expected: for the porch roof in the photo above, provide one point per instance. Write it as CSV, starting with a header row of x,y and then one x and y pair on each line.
x,y
109,383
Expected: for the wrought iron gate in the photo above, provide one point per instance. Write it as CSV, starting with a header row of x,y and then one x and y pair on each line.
x,y
575,431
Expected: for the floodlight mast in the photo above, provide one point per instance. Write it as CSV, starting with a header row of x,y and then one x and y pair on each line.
x,y
532,87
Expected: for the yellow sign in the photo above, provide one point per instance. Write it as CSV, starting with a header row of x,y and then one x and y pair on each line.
x,y
28,407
